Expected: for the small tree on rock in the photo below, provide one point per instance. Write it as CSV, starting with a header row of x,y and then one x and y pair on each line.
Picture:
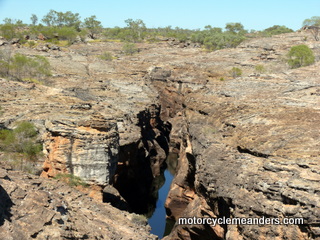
x,y
93,26
314,25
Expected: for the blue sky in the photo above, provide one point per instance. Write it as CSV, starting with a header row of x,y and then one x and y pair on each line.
x,y
192,14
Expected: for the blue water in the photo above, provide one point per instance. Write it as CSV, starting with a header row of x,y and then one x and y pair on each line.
x,y
158,219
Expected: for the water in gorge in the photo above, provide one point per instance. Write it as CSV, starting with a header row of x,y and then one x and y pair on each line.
x,y
161,226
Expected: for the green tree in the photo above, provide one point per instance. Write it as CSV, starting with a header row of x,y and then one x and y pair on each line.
x,y
50,18
62,19
300,56
34,19
313,24
92,25
236,28
137,30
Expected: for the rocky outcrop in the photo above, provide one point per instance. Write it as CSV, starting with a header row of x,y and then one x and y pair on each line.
x,y
38,208
87,148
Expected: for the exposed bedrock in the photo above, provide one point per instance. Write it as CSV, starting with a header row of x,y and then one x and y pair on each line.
x,y
87,148
39,208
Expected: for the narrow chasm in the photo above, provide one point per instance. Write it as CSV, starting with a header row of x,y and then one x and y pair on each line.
x,y
146,168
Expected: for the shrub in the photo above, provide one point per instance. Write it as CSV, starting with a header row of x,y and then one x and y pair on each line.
x,y
235,72
260,69
22,139
129,48
107,56
139,219
313,24
71,179
31,44
12,29
20,147
300,56
21,67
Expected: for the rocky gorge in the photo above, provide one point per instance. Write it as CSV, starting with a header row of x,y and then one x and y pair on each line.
x,y
248,146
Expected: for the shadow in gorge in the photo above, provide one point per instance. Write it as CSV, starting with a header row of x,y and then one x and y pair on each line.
x,y
140,189
136,184
141,164
5,205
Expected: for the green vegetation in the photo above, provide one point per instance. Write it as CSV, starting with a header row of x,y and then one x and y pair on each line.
x,y
12,29
135,31
129,48
71,180
23,68
300,56
58,26
62,19
275,30
21,146
139,219
216,38
21,139
235,72
106,56
93,26
313,24
260,69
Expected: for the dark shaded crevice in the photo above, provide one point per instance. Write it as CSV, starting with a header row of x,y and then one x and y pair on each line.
x,y
306,229
141,164
192,170
203,113
5,206
253,153
289,201
224,211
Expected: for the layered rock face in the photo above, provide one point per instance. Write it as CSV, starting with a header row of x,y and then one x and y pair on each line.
x,y
87,148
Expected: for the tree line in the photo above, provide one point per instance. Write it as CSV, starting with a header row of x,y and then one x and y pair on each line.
x,y
69,26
